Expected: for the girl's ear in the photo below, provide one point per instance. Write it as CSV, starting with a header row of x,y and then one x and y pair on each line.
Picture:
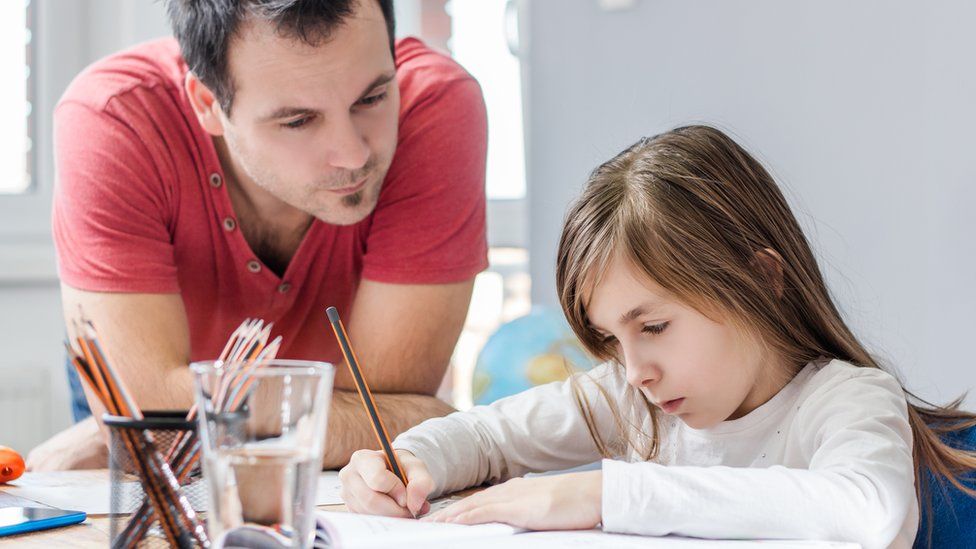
x,y
770,264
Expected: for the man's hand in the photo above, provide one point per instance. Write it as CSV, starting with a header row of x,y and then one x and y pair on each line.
x,y
80,446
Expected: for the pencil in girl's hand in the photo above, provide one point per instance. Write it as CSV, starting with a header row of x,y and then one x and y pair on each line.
x,y
365,395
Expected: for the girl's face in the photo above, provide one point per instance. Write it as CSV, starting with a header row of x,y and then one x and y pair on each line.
x,y
698,369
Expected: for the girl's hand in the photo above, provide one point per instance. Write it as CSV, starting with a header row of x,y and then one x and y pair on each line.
x,y
559,502
369,487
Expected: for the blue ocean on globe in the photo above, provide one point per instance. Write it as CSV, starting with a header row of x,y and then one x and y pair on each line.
x,y
530,350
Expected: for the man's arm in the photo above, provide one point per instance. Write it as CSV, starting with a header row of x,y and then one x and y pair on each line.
x,y
147,341
404,336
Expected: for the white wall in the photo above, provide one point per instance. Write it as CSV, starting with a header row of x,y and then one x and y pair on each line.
x,y
863,110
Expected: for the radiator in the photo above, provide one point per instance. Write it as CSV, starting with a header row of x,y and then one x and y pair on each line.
x,y
25,407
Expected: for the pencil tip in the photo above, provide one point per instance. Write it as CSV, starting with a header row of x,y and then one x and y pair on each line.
x,y
333,314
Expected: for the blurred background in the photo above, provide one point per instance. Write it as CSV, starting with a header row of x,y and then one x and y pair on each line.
x,y
863,111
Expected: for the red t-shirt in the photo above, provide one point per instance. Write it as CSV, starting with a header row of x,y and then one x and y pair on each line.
x,y
140,202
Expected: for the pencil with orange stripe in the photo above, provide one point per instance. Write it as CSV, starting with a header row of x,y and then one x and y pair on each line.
x,y
391,459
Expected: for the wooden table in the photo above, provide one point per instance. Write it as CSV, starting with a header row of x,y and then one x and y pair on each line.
x,y
94,532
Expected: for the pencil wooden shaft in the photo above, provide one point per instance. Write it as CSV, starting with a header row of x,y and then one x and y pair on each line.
x,y
365,395
115,382
160,483
153,491
100,387
186,456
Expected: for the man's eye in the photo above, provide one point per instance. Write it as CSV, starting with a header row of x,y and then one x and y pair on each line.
x,y
655,328
373,99
295,124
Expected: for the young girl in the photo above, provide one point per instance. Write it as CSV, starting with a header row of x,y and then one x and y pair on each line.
x,y
737,402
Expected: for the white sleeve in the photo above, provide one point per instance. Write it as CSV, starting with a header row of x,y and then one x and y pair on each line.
x,y
540,429
859,486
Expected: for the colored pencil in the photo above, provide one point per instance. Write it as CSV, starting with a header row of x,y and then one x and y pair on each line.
x,y
365,395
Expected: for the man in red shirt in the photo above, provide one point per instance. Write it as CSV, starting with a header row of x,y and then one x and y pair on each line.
x,y
279,157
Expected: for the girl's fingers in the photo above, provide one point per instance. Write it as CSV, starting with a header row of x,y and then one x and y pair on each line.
x,y
399,494
419,482
372,467
369,469
360,498
450,512
493,512
417,491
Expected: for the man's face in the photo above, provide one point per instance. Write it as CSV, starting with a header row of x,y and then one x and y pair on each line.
x,y
315,126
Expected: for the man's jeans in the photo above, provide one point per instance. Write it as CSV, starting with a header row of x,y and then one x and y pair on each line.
x,y
79,405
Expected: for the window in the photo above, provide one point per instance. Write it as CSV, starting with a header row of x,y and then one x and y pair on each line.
x,y
16,136
480,35
482,32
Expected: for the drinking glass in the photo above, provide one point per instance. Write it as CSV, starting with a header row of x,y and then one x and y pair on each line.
x,y
262,432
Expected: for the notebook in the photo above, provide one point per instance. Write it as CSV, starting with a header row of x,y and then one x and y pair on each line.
x,y
338,530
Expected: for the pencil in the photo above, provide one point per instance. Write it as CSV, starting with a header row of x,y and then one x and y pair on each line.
x,y
365,395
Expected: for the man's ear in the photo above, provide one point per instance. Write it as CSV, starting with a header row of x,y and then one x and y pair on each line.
x,y
205,105
770,264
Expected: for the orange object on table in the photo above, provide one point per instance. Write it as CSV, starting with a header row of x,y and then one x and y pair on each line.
x,y
11,464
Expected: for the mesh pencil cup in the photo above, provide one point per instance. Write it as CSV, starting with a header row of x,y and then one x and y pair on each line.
x,y
132,520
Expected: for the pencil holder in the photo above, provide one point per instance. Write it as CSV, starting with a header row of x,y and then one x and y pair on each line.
x,y
134,521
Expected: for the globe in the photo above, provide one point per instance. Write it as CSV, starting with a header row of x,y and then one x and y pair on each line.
x,y
530,350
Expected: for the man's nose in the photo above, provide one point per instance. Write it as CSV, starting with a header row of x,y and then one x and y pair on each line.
x,y
346,147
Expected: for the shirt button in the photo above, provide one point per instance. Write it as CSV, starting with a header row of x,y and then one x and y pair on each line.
x,y
229,224
284,288
215,180
253,266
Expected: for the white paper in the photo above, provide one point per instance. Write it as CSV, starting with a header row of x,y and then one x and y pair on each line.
x,y
327,492
355,531
94,498
595,539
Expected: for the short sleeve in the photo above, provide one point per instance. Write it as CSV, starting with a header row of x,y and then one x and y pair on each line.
x,y
111,214
429,223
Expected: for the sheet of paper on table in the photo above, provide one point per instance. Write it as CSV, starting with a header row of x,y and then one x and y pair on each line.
x,y
351,531
94,497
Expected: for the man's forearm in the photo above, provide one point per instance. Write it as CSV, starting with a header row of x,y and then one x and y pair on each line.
x,y
350,428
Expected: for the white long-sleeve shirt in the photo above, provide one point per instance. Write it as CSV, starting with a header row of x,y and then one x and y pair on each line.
x,y
828,457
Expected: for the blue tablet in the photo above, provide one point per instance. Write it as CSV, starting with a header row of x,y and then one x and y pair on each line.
x,y
17,520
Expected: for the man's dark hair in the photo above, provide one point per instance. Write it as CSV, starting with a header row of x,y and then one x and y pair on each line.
x,y
205,28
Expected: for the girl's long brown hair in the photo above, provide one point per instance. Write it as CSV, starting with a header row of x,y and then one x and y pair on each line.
x,y
696,213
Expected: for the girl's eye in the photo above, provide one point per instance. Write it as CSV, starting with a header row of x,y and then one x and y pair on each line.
x,y
608,340
295,124
654,328
373,99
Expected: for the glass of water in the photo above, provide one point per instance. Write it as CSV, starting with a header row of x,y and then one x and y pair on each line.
x,y
262,432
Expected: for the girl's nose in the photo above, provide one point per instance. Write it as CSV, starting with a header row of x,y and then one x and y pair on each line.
x,y
641,370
